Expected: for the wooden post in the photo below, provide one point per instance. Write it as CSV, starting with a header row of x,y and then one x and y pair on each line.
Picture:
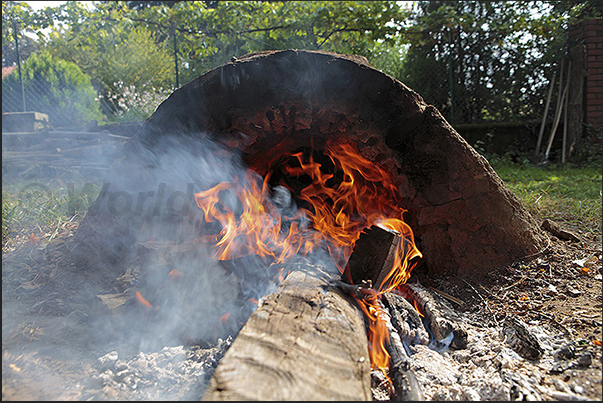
x,y
305,342
546,112
567,82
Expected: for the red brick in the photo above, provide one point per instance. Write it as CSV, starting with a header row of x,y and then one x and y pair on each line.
x,y
592,27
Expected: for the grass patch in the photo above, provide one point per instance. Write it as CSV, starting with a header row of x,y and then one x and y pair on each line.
x,y
34,210
566,194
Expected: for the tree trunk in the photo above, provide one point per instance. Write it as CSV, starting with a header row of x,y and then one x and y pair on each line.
x,y
305,342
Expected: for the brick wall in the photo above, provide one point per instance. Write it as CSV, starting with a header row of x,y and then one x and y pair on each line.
x,y
590,33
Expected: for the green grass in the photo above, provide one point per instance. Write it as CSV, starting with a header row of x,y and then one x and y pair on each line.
x,y
37,209
566,194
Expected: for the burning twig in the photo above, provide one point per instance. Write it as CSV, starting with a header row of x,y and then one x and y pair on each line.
x,y
447,296
363,291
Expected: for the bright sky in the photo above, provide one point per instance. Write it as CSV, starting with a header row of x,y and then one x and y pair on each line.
x,y
37,5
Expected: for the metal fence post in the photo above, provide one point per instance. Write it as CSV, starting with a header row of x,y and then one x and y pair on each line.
x,y
176,56
24,109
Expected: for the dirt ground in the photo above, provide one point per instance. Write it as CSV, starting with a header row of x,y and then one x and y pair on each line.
x,y
44,357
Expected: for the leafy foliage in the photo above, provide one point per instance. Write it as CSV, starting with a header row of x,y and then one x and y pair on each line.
x,y
19,17
210,33
498,55
475,60
117,55
64,92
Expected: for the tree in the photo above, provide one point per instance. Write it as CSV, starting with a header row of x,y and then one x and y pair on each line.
x,y
129,47
55,87
211,33
16,18
127,63
484,60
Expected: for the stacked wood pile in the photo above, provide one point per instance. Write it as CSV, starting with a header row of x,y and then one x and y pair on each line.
x,y
37,154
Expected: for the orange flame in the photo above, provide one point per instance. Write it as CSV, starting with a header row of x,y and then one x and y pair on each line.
x,y
353,195
378,334
143,301
224,317
414,301
175,274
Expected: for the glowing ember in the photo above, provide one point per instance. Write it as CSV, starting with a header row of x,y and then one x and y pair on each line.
x,y
340,197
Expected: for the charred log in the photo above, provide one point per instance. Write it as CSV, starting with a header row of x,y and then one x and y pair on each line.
x,y
405,319
444,322
405,383
373,256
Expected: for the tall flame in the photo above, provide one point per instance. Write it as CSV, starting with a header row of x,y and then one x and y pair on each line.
x,y
340,201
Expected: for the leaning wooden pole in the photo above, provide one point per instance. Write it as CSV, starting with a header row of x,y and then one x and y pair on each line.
x,y
560,100
307,341
546,112
565,106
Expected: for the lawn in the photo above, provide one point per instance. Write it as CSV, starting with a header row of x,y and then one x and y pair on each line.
x,y
568,195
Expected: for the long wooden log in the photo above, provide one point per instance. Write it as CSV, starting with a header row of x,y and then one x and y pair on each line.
x,y
307,341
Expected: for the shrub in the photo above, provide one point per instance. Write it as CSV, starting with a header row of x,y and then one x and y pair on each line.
x,y
55,87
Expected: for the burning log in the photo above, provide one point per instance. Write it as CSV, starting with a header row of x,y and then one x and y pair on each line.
x,y
305,342
443,320
373,256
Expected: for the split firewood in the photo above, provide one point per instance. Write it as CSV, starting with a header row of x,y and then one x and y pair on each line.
x,y
307,341
373,256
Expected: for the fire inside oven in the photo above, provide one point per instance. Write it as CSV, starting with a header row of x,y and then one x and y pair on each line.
x,y
311,200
